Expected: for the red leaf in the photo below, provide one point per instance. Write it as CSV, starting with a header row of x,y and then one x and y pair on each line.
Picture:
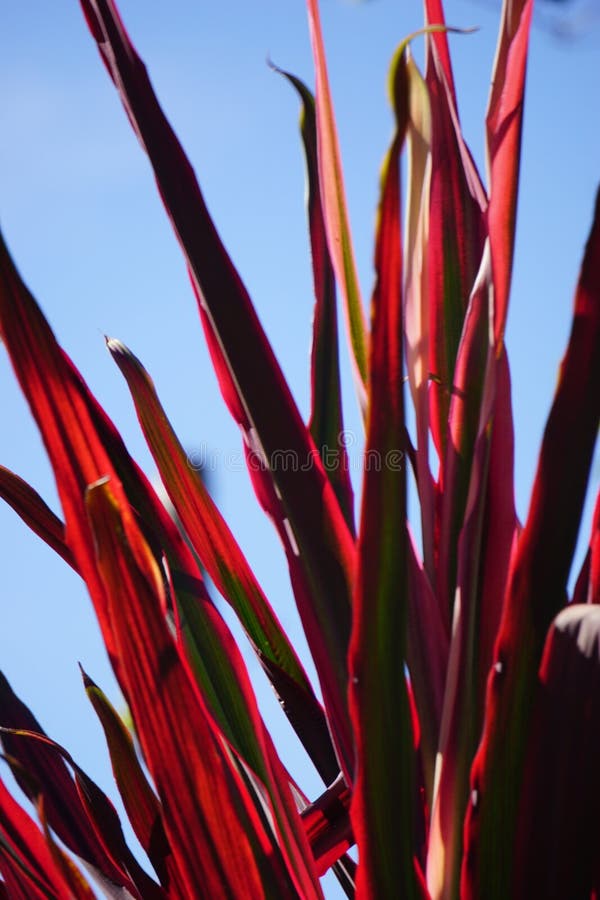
x,y
318,543
141,803
537,589
225,563
382,808
40,771
25,860
218,839
503,129
327,824
557,837
335,211
28,504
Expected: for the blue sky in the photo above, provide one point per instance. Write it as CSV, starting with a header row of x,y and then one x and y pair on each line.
x,y
83,219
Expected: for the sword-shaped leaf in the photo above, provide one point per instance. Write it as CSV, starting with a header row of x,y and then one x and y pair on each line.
x,y
383,811
504,122
556,847
220,838
318,543
141,803
335,210
326,418
536,591
28,504
224,561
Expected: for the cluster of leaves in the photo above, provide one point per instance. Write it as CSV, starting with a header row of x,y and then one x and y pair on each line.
x,y
460,723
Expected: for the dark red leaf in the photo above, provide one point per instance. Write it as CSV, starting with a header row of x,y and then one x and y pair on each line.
x,y
318,543
26,863
40,771
218,838
28,504
536,591
382,805
141,803
558,831
327,824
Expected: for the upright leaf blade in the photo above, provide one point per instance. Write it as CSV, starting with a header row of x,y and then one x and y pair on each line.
x,y
382,807
318,543
217,836
28,504
537,589
504,124
226,564
556,846
140,802
334,206
326,418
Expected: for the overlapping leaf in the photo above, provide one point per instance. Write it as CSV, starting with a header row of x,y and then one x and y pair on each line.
x,y
381,713
34,512
334,206
537,589
41,773
326,418
318,543
26,863
556,841
504,122
219,838
226,564
87,805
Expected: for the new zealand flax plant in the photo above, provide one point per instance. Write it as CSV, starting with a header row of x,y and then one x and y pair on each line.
x,y
458,735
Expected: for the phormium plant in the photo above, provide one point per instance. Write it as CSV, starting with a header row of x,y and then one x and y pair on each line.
x,y
458,735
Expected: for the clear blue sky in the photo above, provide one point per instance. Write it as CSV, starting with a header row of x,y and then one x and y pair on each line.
x,y
82,217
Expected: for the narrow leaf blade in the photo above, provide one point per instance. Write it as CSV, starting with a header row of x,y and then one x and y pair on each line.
x,y
334,206
318,542
382,807
536,591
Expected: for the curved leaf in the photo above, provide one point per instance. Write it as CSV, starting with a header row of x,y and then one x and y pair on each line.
x,y
335,210
504,122
141,803
222,558
382,805
556,841
536,591
326,418
219,839
28,504
318,543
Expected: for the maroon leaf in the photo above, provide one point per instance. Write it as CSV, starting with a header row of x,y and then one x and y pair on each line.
x,y
318,543
537,589
379,698
26,863
557,838
219,840
40,771
28,504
